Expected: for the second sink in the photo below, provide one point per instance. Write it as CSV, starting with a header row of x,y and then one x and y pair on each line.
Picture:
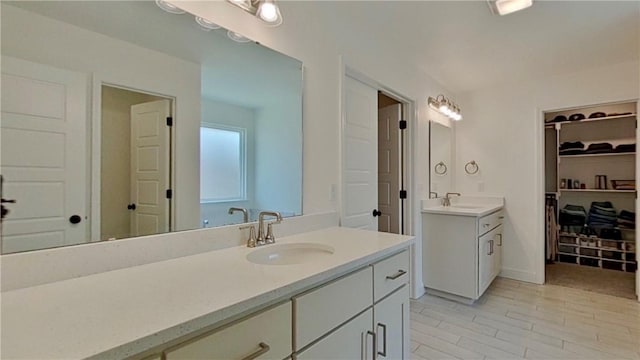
x,y
290,254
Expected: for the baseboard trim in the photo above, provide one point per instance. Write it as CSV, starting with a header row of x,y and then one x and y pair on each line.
x,y
520,275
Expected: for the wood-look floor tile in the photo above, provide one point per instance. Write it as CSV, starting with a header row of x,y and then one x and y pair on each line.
x,y
429,353
444,346
514,320
487,350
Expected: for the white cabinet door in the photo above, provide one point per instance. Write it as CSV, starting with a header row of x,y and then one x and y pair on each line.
x,y
487,247
263,336
392,325
354,340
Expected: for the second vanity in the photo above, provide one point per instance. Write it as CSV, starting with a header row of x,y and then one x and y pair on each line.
x,y
462,246
350,300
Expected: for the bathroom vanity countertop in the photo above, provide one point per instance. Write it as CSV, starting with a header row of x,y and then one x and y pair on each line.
x,y
124,312
463,210
464,205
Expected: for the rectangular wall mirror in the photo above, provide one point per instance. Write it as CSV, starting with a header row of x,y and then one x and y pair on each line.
x,y
113,127
440,159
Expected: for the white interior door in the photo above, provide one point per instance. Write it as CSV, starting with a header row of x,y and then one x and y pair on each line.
x,y
360,162
389,168
150,167
44,117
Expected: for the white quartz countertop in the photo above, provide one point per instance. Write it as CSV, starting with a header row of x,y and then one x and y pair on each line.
x,y
123,312
477,206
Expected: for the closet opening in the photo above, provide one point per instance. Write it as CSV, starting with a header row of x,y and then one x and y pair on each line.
x,y
590,198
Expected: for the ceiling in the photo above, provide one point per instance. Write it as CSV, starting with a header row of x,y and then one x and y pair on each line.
x,y
464,47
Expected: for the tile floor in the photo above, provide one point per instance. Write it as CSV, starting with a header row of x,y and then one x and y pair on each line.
x,y
515,320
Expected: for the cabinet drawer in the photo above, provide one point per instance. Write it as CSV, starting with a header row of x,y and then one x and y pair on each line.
x,y
323,309
271,328
390,274
489,222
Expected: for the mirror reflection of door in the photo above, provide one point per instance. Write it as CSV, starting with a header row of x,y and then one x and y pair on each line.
x,y
43,156
135,164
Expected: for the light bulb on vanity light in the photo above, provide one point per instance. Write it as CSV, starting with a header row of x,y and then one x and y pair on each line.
x,y
269,12
207,25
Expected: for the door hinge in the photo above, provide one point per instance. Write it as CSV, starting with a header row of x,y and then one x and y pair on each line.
x,y
169,194
403,124
169,121
403,194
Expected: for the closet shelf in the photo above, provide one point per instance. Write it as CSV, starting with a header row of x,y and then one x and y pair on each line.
x,y
599,190
633,115
595,155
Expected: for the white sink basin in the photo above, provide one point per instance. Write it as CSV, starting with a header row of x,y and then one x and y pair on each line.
x,y
289,254
461,206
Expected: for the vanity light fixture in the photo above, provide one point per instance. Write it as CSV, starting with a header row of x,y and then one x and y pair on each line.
x,y
445,106
170,8
266,10
504,7
207,25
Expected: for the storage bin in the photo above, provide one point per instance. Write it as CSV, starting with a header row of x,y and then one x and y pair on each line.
x,y
615,255
611,244
567,249
567,258
567,239
589,262
612,265
589,252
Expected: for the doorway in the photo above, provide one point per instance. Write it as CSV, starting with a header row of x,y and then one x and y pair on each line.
x,y
390,164
590,198
135,164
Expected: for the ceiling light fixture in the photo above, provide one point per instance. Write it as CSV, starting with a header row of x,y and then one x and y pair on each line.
x,y
445,106
504,7
170,8
265,10
207,25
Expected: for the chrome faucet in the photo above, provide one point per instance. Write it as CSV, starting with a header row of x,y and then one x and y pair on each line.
x,y
446,200
267,238
245,214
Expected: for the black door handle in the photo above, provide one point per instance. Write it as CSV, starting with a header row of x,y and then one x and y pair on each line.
x,y
376,212
131,206
4,201
75,219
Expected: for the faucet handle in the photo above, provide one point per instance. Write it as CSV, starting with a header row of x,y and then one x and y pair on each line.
x,y
270,238
251,242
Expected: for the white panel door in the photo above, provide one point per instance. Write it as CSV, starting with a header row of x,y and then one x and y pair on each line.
x,y
360,165
150,167
389,168
44,154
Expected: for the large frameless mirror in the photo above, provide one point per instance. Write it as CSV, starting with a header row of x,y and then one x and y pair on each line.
x,y
120,119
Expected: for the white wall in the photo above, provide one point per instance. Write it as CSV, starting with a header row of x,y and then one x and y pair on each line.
x,y
502,131
112,61
324,53
217,112
278,158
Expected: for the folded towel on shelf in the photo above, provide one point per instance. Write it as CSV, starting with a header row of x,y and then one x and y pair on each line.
x,y
627,215
602,214
599,148
572,215
568,145
625,148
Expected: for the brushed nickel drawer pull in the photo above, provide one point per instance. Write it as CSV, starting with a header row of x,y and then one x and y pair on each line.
x,y
500,243
264,348
396,275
